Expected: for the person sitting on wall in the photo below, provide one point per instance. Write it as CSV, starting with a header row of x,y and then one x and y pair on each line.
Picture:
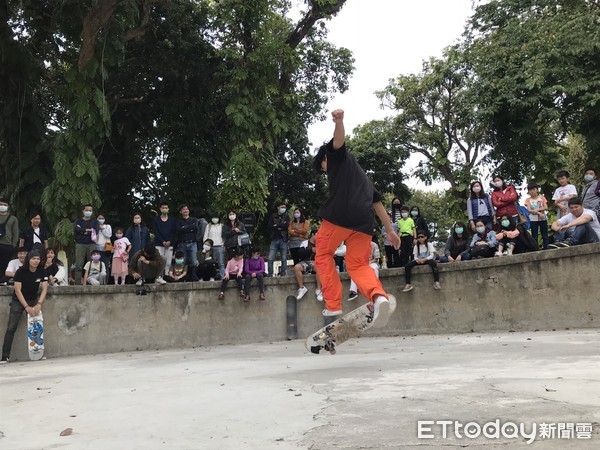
x,y
306,265
13,266
147,264
580,226
483,242
457,246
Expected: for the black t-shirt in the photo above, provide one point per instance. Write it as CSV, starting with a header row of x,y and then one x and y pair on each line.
x,y
351,193
30,283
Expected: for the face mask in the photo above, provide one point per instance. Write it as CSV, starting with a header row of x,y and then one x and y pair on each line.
x,y
206,248
215,220
414,213
179,261
480,230
255,257
232,217
96,258
588,178
3,208
101,221
282,210
498,184
505,223
137,221
118,235
404,215
87,213
296,215
477,189
459,230
164,212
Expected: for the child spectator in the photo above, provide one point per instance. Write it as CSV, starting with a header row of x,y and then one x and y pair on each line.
x,y
178,270
507,236
392,256
406,226
255,268
537,205
121,250
207,262
94,271
233,270
504,198
423,254
479,207
483,243
373,263
457,245
563,193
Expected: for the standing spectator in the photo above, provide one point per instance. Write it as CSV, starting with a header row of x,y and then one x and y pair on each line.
x,y
164,227
373,262
504,199
103,242
177,273
94,271
298,232
138,234
214,232
28,280
407,229
457,245
392,256
86,232
254,267
591,191
207,263
423,254
232,229
580,226
420,222
563,193
187,229
537,206
9,234
147,264
479,207
202,224
396,213
483,243
233,271
121,252
34,237
279,223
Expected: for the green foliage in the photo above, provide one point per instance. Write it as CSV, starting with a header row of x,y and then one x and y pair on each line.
x,y
433,206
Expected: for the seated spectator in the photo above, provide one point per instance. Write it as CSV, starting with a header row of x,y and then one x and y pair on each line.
x,y
233,271
507,236
338,256
147,264
207,262
254,268
373,263
178,271
483,243
94,271
457,246
423,253
306,265
580,226
14,265
57,273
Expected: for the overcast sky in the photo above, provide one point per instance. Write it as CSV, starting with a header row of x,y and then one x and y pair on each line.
x,y
387,38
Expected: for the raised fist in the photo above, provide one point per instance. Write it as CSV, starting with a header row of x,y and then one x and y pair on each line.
x,y
338,115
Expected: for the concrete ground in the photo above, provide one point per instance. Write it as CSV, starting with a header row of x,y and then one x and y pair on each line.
x,y
370,395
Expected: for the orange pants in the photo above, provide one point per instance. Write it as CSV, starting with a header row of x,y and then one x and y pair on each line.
x,y
358,250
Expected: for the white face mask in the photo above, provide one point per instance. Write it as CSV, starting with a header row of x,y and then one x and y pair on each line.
x,y
498,184
215,220
232,217
477,189
3,208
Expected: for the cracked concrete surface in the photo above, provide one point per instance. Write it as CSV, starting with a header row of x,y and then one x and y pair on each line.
x,y
368,396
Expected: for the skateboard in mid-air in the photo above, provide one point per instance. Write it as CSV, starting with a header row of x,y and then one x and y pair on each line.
x,y
346,327
35,336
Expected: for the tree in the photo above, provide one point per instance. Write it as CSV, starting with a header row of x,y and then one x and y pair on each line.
x,y
433,206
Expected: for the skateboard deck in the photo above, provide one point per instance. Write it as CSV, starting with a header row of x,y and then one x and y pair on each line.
x,y
292,317
346,327
35,336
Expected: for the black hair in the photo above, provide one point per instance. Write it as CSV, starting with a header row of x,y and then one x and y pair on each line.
x,y
319,158
511,225
412,208
179,254
97,252
592,169
503,182
575,201
150,250
422,233
210,241
117,229
141,224
22,250
563,173
302,218
86,205
404,208
163,203
481,193
465,233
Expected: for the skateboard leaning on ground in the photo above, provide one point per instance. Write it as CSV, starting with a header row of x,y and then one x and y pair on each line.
x,y
347,327
35,336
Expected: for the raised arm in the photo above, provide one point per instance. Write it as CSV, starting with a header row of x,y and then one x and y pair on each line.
x,y
339,133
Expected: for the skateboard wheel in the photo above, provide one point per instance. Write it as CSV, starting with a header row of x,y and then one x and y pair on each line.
x,y
322,336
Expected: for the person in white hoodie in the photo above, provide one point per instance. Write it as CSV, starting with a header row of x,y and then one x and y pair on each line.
x,y
423,254
214,231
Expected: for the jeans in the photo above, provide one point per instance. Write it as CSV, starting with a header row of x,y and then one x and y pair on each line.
x,y
260,278
167,253
190,250
220,255
583,234
16,311
542,226
225,281
281,246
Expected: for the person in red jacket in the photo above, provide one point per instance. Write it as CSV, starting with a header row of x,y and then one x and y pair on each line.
x,y
504,198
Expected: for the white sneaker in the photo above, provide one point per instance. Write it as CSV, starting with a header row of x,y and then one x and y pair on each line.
x,y
319,294
301,292
437,285
381,312
408,287
160,280
509,251
328,313
139,282
352,296
4,361
211,279
498,254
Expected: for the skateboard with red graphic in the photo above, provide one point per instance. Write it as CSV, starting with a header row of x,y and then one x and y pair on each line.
x,y
346,327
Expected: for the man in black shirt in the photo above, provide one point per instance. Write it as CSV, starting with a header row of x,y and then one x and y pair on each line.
x,y
278,225
348,216
27,282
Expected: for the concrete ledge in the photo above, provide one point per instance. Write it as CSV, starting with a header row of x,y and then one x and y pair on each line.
x,y
554,289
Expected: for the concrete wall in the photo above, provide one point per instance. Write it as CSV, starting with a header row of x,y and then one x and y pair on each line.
x,y
543,290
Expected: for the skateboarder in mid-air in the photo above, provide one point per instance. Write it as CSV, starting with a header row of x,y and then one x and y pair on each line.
x,y
25,298
348,216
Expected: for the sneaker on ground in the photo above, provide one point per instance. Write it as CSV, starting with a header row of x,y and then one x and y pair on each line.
x,y
319,294
328,313
221,295
4,360
381,312
352,296
160,280
437,285
139,282
301,292
408,287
